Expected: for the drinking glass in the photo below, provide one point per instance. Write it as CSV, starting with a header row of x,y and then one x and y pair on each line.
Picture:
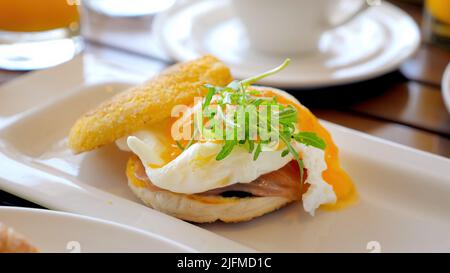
x,y
436,27
38,34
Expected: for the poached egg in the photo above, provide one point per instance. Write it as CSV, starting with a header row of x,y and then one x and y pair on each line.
x,y
196,169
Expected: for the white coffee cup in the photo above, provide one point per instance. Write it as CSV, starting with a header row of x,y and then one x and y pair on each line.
x,y
292,27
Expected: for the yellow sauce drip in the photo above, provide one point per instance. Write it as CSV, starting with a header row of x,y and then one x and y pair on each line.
x,y
334,175
171,150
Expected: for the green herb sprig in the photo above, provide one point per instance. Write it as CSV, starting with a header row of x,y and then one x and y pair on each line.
x,y
237,93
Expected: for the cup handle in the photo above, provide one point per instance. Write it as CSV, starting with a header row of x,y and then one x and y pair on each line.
x,y
350,18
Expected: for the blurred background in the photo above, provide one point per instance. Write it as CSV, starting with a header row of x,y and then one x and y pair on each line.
x,y
375,66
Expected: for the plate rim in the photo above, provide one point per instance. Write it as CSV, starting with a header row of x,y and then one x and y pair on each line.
x,y
446,87
24,211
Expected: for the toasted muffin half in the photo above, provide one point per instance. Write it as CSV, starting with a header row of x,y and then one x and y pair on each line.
x,y
199,208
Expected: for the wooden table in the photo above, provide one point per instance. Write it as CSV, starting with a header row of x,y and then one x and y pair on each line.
x,y
405,106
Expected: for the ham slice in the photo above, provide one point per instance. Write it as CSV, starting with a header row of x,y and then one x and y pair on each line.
x,y
284,182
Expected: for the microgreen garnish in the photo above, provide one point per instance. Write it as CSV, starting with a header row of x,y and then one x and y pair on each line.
x,y
226,149
237,93
179,145
310,139
257,151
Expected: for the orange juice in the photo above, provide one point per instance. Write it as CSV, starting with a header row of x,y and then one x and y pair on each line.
x,y
436,22
37,15
439,9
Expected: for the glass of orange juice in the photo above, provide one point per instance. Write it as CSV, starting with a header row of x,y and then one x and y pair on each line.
x,y
436,25
36,34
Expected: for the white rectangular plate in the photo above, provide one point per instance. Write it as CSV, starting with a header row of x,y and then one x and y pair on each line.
x,y
404,202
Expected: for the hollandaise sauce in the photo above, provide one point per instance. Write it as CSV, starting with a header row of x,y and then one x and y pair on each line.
x,y
334,175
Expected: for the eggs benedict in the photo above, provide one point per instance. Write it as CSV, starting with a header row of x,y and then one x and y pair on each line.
x,y
205,147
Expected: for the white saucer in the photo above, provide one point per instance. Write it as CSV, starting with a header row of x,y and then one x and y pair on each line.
x,y
373,44
52,231
446,87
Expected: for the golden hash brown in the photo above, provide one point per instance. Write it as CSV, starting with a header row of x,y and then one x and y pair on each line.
x,y
146,104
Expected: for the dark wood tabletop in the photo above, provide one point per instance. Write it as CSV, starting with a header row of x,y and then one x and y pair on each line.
x,y
404,106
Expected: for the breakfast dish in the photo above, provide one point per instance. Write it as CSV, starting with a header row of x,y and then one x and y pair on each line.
x,y
204,177
38,165
13,242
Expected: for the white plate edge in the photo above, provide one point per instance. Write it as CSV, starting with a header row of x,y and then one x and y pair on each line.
x,y
85,218
446,87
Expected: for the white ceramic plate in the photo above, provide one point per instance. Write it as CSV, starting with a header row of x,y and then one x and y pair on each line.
x,y
404,193
375,43
36,112
446,87
52,231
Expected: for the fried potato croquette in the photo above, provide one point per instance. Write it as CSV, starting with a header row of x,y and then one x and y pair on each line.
x,y
149,103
